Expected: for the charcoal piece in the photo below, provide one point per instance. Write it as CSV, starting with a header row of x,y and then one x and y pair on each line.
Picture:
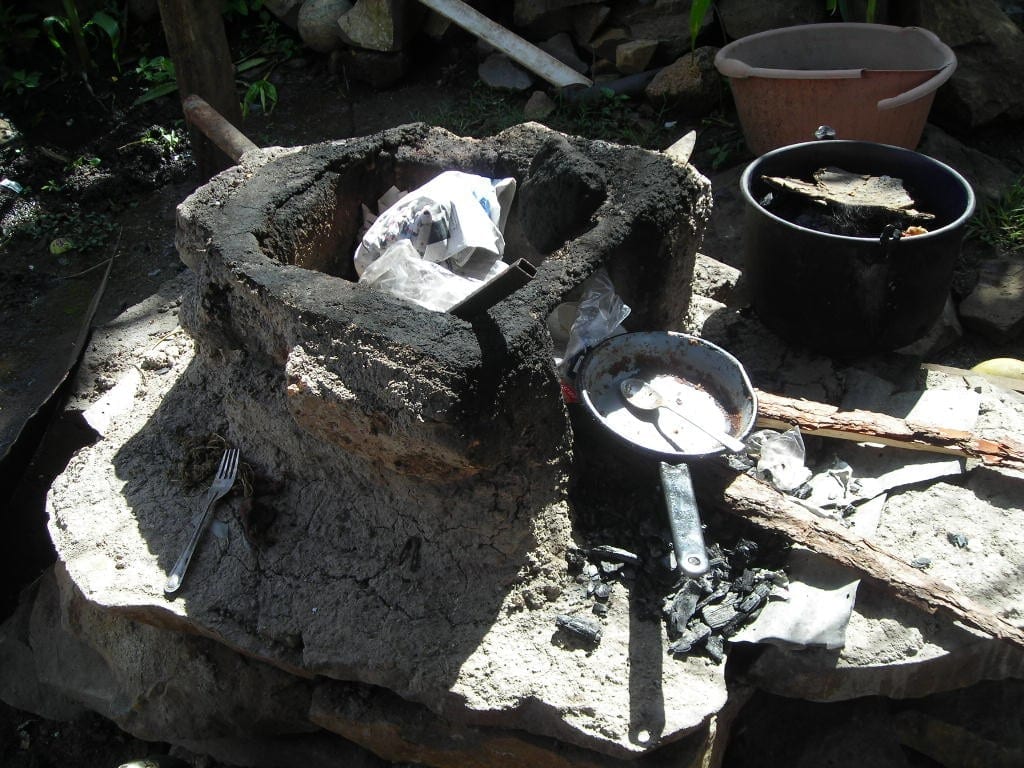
x,y
778,578
921,563
682,608
744,551
715,646
717,616
592,571
614,555
600,609
745,583
755,598
958,540
602,591
693,636
579,627
575,560
717,594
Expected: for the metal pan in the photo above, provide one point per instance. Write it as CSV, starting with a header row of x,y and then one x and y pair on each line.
x,y
695,376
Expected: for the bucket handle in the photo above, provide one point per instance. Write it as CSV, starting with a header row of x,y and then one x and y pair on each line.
x,y
919,91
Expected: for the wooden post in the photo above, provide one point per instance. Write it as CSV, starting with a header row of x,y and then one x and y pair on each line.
x,y
198,46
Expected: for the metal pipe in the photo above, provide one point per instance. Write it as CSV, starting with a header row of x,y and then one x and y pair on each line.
x,y
490,293
216,127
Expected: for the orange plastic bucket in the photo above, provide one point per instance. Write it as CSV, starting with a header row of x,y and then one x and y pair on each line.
x,y
870,82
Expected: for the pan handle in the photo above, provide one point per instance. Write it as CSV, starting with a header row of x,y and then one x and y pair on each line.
x,y
684,519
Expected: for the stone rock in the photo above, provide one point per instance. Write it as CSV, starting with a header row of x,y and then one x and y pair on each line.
x,y
989,178
740,18
539,106
944,333
500,72
681,150
634,56
666,22
995,308
527,13
287,11
560,46
690,84
318,23
586,20
406,733
606,43
989,78
381,25
713,279
140,676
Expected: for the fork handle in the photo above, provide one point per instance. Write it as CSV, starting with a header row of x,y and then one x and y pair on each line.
x,y
177,574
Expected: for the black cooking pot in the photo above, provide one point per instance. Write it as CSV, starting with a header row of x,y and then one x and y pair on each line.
x,y
845,295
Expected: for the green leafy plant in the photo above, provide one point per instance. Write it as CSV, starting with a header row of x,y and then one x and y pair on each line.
x,y
85,161
698,10
68,28
21,81
158,73
1001,224
261,92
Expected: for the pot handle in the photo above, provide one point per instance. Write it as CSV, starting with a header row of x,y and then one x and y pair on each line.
x,y
684,519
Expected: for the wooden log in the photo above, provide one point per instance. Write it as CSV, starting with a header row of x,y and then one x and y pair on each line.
x,y
199,48
769,509
228,139
778,412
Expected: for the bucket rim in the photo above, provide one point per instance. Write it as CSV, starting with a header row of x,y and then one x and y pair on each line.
x,y
733,66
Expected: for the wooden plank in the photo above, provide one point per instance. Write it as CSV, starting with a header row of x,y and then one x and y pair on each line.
x,y
530,56
778,412
199,48
769,509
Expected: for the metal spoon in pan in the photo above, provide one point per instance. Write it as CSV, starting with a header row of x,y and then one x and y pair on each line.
x,y
640,394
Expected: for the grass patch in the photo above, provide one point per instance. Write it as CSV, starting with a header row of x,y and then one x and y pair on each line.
x,y
1001,224
483,112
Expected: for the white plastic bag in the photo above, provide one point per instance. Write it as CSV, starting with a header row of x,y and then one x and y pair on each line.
x,y
436,245
447,219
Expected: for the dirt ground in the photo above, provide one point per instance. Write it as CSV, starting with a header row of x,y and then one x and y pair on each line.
x,y
126,205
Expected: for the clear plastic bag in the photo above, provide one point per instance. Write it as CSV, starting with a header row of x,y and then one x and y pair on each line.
x,y
600,313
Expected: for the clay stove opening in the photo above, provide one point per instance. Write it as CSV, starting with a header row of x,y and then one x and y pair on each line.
x,y
319,228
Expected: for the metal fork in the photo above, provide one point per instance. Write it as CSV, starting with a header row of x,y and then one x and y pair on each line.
x,y
222,483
